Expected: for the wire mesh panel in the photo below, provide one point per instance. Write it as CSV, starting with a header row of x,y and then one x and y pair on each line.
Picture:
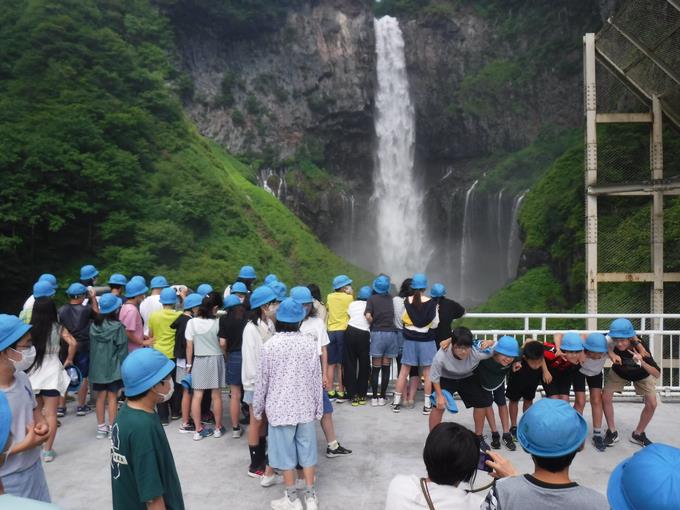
x,y
613,96
624,235
622,153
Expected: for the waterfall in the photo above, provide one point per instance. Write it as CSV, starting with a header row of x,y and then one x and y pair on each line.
x,y
402,241
514,242
273,182
466,239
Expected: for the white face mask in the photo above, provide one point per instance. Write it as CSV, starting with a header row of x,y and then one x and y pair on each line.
x,y
27,358
167,396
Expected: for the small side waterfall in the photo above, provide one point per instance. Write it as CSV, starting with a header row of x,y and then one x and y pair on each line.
x,y
466,239
274,182
514,243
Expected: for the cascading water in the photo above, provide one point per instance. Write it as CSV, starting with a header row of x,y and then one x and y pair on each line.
x,y
402,243
465,242
514,242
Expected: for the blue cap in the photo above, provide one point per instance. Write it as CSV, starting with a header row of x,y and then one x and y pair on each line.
x,y
159,282
451,405
364,293
204,289
507,346
381,285
270,278
135,287
341,281
144,368
239,288
596,342
186,382
302,295
279,289
47,277
5,420
419,281
88,272
231,301
621,328
438,290
76,289
247,272
192,301
648,479
551,428
12,328
571,341
168,296
290,311
109,303
139,277
42,288
261,296
117,279
76,377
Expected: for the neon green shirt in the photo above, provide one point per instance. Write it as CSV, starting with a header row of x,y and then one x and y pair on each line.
x,y
163,334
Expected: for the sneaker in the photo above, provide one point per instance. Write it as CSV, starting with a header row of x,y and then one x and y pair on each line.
x,y
509,442
495,441
186,428
217,433
598,442
355,402
83,410
427,410
268,481
362,401
48,455
396,408
204,432
382,402
338,452
483,445
285,503
61,412
300,484
311,502
175,417
640,439
341,397
255,472
513,432
102,433
208,419
374,402
165,422
332,395
611,437
236,432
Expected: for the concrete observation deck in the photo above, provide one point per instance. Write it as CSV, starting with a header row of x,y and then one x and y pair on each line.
x,y
384,444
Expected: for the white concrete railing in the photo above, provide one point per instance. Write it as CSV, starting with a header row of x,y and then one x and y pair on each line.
x,y
664,344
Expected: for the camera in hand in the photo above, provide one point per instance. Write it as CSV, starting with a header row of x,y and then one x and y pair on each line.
x,y
481,464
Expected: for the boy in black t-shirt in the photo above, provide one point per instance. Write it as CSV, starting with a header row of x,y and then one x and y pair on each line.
x,y
628,365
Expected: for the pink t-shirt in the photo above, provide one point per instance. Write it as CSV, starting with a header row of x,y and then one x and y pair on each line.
x,y
132,320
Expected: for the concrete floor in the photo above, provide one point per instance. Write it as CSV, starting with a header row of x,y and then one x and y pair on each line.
x,y
213,471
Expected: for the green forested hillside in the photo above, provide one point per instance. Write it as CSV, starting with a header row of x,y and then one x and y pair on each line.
x,y
99,164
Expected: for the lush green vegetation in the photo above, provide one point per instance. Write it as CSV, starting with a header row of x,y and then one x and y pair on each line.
x,y
99,164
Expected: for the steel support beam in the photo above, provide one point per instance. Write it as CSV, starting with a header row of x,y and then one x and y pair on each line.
x,y
656,163
635,277
637,188
624,118
590,103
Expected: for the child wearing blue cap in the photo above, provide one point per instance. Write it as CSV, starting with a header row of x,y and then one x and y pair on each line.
x,y
563,359
357,346
22,472
152,302
338,303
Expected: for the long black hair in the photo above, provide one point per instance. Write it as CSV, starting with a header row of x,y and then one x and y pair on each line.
x,y
237,313
206,309
406,290
315,291
101,317
43,319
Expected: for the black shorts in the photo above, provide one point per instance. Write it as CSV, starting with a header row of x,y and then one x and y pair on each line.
x,y
498,395
113,387
561,382
470,391
595,382
48,393
523,384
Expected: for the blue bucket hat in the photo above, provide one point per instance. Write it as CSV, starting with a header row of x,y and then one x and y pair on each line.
x,y
12,328
231,301
341,281
139,277
168,296
43,288
302,295
571,341
186,382
47,277
270,278
364,293
144,368
419,281
239,288
261,296
381,285
280,290
5,420
76,289
551,428
648,479
118,279
192,301
135,287
596,342
109,303
247,273
159,282
438,290
507,346
88,272
204,289
76,378
621,328
290,311
451,405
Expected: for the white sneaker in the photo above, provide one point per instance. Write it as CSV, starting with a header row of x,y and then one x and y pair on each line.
x,y
312,502
286,504
236,433
268,481
374,402
300,484
382,402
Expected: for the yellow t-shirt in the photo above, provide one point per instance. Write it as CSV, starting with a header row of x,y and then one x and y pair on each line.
x,y
163,334
337,304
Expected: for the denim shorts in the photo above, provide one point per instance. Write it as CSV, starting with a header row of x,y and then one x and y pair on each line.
x,y
233,366
336,347
292,445
82,361
384,344
418,354
327,405
248,397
